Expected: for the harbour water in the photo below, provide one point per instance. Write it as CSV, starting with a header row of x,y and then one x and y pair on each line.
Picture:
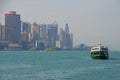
x,y
57,65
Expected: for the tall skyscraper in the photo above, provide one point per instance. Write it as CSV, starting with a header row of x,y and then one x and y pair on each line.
x,y
43,31
52,34
67,28
61,38
1,29
71,37
25,30
12,26
35,31
66,39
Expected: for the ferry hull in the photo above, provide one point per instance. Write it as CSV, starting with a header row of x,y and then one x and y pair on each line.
x,y
99,55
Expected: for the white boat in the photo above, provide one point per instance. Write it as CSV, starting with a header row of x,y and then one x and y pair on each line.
x,y
99,52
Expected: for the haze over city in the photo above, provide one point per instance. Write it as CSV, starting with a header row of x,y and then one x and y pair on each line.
x,y
91,21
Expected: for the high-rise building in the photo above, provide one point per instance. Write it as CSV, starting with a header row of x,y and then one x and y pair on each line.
x,y
67,28
71,37
43,32
1,28
12,26
52,34
66,39
62,38
25,26
2,32
35,32
25,30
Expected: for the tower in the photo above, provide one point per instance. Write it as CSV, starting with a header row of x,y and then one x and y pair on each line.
x,y
12,27
67,28
52,34
1,29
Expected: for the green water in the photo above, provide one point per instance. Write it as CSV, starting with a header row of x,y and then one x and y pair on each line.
x,y
63,65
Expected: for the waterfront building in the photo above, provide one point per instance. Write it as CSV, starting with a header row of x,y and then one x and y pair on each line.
x,y
12,27
24,36
25,26
2,32
1,28
39,45
67,28
66,39
52,34
71,38
35,32
25,31
43,32
4,44
58,44
62,38
24,39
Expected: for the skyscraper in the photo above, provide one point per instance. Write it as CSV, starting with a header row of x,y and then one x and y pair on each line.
x,y
25,30
67,28
35,31
12,26
66,39
71,37
1,29
43,31
25,26
52,34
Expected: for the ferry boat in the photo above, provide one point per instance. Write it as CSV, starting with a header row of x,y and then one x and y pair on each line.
x,y
99,52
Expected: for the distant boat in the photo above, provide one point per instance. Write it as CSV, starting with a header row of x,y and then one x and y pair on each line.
x,y
99,52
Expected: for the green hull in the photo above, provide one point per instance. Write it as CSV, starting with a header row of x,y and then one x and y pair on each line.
x,y
99,55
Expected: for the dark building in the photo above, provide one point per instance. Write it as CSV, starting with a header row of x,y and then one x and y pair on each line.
x,y
25,31
12,27
25,26
1,30
66,39
52,35
35,31
61,38
4,44
40,45
67,29
43,31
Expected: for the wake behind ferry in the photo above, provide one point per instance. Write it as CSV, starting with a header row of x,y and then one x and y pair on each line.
x,y
99,52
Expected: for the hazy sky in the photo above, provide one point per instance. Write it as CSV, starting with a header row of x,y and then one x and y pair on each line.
x,y
91,21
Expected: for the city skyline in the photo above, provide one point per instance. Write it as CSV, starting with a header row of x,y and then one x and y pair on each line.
x,y
91,21
27,36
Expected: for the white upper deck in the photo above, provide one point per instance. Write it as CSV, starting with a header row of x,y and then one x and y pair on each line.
x,y
99,47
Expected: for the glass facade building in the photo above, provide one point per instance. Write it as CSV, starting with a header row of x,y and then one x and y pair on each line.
x,y
12,27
